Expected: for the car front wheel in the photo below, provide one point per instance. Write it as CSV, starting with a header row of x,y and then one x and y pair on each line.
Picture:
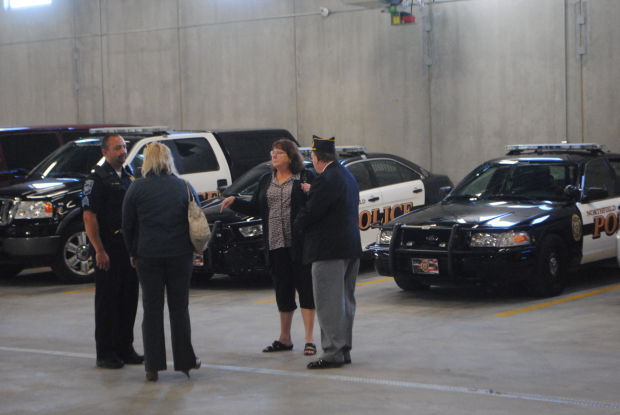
x,y
550,276
74,262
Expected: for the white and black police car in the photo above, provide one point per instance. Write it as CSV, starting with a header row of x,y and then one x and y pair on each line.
x,y
531,216
389,187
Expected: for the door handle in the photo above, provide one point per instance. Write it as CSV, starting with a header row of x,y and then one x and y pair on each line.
x,y
417,190
373,199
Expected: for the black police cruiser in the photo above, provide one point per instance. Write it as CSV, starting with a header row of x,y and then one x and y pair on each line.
x,y
529,216
389,186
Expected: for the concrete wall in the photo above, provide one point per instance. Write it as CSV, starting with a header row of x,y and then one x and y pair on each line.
x,y
447,92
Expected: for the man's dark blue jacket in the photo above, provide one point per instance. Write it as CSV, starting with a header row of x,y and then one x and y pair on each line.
x,y
329,220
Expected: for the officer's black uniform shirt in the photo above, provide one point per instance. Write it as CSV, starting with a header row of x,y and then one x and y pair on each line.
x,y
104,191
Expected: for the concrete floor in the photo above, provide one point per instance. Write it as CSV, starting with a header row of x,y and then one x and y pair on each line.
x,y
445,351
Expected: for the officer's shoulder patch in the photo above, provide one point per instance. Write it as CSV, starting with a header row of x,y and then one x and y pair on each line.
x,y
88,186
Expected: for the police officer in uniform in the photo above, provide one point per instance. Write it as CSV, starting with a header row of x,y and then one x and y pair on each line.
x,y
116,283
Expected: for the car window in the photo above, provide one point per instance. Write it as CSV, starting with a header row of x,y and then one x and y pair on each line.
x,y
26,150
518,180
248,182
599,174
137,162
615,163
74,135
193,155
389,172
360,171
75,159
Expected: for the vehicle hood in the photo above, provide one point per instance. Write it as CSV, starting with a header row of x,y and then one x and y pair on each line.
x,y
40,189
483,213
211,209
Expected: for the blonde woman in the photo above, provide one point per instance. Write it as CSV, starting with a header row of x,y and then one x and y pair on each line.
x,y
156,233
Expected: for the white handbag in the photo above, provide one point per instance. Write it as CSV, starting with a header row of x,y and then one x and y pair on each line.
x,y
199,231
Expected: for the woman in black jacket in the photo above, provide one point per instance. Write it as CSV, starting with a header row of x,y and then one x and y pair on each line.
x,y
156,233
277,200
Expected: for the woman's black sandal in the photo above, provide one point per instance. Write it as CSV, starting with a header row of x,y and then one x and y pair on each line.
x,y
309,349
278,346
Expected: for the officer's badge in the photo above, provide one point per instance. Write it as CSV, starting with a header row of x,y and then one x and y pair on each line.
x,y
132,178
576,227
88,186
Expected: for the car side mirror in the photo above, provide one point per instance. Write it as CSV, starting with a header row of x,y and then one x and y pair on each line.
x,y
572,191
595,193
444,190
222,184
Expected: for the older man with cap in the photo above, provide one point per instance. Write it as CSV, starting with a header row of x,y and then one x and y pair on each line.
x,y
329,224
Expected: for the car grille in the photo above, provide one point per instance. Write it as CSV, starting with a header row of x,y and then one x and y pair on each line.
x,y
6,207
426,238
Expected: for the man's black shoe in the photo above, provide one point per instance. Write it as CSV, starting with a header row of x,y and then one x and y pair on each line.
x,y
110,363
347,358
323,364
132,358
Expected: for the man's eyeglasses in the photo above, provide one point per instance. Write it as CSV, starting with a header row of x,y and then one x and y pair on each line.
x,y
276,153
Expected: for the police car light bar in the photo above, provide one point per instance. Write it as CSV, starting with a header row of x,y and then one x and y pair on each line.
x,y
125,130
516,148
339,149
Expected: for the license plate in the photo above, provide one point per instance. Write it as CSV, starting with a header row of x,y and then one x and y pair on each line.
x,y
425,266
199,260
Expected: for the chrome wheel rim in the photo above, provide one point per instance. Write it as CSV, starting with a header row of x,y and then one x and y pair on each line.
x,y
77,256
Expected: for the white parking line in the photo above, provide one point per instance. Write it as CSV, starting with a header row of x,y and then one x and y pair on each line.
x,y
367,381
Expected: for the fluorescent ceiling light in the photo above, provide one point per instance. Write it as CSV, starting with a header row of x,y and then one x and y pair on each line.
x,y
20,4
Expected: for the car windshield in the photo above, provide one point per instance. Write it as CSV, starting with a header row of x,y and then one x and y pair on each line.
x,y
247,183
517,180
75,159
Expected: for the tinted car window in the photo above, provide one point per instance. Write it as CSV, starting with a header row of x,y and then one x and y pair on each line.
x,y
248,182
518,180
599,174
615,164
26,150
361,173
74,159
193,155
249,148
390,172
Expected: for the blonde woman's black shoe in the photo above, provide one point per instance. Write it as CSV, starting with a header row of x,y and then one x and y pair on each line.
x,y
152,376
110,363
196,366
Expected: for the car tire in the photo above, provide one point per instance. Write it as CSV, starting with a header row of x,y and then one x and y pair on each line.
x,y
11,270
409,284
550,276
74,262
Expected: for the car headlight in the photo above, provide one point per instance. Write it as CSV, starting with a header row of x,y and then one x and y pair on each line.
x,y
385,237
499,240
33,210
251,231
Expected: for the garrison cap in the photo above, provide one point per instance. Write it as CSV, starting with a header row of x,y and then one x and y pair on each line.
x,y
324,145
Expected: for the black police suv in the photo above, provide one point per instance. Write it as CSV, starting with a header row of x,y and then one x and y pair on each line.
x,y
41,217
529,216
389,186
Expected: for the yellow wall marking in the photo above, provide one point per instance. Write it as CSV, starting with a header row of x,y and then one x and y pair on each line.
x,y
555,302
271,300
